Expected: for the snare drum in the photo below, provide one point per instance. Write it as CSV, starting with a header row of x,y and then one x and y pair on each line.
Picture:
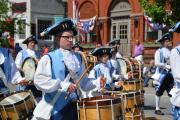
x,y
131,105
88,59
133,85
28,68
17,106
99,108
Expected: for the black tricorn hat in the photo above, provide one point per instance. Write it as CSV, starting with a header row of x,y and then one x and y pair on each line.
x,y
166,36
64,25
101,51
77,45
114,42
29,39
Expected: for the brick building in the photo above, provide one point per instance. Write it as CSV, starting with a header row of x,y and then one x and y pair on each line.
x,y
119,19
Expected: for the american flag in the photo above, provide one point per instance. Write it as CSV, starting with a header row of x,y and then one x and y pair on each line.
x,y
86,25
77,3
152,25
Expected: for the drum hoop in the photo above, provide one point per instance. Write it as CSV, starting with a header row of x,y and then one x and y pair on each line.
x,y
87,102
17,103
131,94
28,59
131,81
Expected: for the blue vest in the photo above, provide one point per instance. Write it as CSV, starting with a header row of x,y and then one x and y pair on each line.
x,y
6,66
59,72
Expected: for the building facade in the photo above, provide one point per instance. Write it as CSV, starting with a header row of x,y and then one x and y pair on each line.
x,y
36,16
119,19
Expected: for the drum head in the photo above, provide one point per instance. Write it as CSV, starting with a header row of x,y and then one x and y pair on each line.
x,y
29,67
15,99
122,66
1,58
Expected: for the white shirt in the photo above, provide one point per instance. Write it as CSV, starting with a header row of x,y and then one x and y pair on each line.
x,y
19,57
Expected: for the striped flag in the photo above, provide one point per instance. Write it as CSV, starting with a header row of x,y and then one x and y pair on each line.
x,y
86,25
152,25
77,3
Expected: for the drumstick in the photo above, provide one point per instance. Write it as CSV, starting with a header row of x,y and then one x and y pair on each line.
x,y
78,81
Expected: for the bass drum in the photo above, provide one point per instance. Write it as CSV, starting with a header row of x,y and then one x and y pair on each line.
x,y
88,59
28,68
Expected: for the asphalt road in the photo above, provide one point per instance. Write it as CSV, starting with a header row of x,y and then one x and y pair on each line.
x,y
150,105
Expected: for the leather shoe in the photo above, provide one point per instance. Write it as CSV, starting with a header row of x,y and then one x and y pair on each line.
x,y
159,112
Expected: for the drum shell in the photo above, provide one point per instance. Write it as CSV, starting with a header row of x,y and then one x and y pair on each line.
x,y
133,85
20,108
132,105
88,108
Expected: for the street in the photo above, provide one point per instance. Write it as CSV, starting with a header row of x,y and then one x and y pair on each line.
x,y
150,105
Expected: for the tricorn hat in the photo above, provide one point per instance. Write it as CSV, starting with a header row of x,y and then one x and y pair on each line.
x,y
166,36
77,45
114,42
29,39
101,51
64,25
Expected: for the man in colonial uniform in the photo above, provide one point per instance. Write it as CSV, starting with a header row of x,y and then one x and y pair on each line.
x,y
174,62
9,72
21,58
57,73
164,77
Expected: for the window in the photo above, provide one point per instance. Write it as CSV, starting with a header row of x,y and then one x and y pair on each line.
x,y
22,29
41,26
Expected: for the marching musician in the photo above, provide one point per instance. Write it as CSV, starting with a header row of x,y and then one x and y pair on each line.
x,y
116,44
162,74
113,65
9,72
102,69
174,62
57,74
20,59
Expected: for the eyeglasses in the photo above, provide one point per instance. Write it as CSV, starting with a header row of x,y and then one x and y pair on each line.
x,y
68,37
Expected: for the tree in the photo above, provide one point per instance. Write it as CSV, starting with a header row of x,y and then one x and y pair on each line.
x,y
162,11
8,22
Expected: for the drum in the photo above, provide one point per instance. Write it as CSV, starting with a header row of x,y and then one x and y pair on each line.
x,y
126,65
17,106
28,68
99,108
133,85
88,59
131,105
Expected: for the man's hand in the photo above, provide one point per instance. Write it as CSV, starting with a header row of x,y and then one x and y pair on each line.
x,y
25,82
130,74
120,83
72,87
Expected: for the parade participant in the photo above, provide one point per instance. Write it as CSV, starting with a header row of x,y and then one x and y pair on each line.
x,y
174,62
175,92
58,72
76,47
9,72
162,62
101,69
113,65
138,51
115,44
20,59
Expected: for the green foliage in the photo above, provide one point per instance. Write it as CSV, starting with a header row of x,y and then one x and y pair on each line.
x,y
157,10
7,22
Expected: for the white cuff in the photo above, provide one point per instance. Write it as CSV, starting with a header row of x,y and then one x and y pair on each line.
x,y
64,85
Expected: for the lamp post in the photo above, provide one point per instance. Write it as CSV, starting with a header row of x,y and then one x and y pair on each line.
x,y
65,7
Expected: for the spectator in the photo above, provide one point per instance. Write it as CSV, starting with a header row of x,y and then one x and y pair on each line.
x,y
150,70
138,51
